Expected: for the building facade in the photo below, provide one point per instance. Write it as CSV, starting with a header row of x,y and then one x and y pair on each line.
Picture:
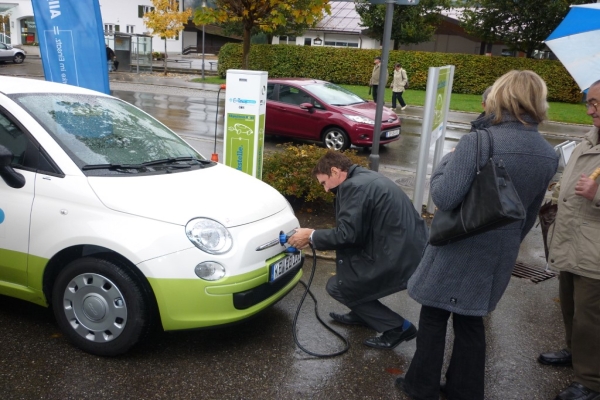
x,y
118,16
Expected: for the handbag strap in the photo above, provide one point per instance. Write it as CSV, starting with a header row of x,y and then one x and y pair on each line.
x,y
491,140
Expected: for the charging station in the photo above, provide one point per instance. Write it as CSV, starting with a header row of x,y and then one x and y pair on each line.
x,y
245,108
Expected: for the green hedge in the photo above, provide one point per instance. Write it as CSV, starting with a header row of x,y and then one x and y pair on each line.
x,y
473,73
290,171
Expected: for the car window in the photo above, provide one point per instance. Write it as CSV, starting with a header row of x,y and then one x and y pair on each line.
x,y
333,94
103,130
271,91
292,95
3,46
13,139
27,154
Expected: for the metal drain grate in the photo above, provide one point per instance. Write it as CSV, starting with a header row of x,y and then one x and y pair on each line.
x,y
536,275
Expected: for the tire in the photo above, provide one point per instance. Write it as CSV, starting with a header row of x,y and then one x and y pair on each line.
x,y
336,139
100,307
18,58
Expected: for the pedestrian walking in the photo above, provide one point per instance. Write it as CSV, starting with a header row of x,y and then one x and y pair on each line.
x,y
482,119
467,278
398,85
379,238
110,55
374,82
574,250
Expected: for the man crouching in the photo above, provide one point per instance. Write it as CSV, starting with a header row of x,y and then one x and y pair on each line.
x,y
379,239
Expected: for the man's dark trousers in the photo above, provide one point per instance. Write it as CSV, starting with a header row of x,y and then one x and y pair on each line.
x,y
375,314
580,306
374,91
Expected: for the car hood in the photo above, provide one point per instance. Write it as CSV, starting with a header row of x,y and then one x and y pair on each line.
x,y
368,109
221,193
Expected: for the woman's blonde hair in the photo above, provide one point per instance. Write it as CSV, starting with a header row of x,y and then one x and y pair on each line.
x,y
518,93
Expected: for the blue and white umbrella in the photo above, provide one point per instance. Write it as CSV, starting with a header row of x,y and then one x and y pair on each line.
x,y
576,43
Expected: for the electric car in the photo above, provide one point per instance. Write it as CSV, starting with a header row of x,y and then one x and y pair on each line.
x,y
119,225
312,109
9,53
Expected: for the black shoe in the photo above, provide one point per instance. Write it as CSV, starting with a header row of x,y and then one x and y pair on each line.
x,y
577,392
348,319
392,338
562,357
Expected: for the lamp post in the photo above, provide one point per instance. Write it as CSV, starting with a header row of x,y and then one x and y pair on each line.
x,y
203,5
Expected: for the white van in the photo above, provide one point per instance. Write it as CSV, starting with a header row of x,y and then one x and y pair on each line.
x,y
118,224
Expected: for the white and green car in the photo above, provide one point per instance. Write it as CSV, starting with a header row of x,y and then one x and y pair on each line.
x,y
115,222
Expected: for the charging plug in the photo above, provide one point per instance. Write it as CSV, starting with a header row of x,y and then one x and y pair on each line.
x,y
283,239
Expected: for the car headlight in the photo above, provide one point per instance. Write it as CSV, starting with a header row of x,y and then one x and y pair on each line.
x,y
360,119
209,235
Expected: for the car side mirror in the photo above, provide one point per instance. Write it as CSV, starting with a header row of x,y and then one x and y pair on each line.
x,y
307,106
10,176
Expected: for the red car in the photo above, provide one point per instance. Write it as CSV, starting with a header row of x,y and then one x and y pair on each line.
x,y
311,109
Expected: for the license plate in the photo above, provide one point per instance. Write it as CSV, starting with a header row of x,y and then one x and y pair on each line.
x,y
281,267
391,134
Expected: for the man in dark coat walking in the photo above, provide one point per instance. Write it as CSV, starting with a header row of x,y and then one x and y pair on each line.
x,y
379,239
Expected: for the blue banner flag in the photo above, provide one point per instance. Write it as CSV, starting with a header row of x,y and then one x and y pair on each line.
x,y
72,42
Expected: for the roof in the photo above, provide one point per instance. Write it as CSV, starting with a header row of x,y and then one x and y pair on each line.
x,y
343,18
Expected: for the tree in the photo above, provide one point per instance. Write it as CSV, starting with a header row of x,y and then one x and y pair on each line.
x,y
267,15
522,25
166,21
410,25
4,22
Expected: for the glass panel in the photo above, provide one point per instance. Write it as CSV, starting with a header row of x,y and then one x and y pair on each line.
x,y
103,130
333,94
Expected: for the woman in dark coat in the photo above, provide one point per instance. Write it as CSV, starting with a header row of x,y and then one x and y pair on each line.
x,y
467,278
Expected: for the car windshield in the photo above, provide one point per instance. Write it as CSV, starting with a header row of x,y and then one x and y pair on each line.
x,y
98,130
333,94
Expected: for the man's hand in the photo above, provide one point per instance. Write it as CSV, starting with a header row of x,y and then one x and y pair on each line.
x,y
300,239
586,187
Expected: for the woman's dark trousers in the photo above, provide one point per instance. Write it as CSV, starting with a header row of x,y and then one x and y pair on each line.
x,y
465,375
397,96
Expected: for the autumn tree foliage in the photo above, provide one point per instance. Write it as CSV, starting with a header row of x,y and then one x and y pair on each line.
x,y
410,24
166,21
521,25
268,15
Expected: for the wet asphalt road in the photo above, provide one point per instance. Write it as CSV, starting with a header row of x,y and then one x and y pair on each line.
x,y
258,359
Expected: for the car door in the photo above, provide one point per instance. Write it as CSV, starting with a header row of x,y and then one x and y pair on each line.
x,y
15,204
289,118
5,54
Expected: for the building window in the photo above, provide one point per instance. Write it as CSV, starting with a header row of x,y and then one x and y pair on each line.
x,y
143,10
130,28
287,39
340,44
110,28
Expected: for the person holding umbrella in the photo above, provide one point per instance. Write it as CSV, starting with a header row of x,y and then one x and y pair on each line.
x,y
575,252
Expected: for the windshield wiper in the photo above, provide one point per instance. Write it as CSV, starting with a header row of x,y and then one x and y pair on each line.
x,y
149,163
111,166
176,159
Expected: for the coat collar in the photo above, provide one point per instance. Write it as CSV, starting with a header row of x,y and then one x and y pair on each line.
x,y
591,139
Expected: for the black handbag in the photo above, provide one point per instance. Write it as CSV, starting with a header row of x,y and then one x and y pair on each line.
x,y
491,202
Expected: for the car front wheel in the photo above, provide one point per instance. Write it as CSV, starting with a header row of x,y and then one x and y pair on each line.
x,y
336,139
18,58
100,306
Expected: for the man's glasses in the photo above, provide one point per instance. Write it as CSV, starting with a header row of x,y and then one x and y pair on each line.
x,y
590,105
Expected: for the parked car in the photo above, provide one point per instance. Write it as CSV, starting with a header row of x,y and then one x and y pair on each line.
x,y
9,53
312,109
119,225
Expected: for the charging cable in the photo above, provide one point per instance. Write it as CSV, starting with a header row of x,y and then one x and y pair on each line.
x,y
283,239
